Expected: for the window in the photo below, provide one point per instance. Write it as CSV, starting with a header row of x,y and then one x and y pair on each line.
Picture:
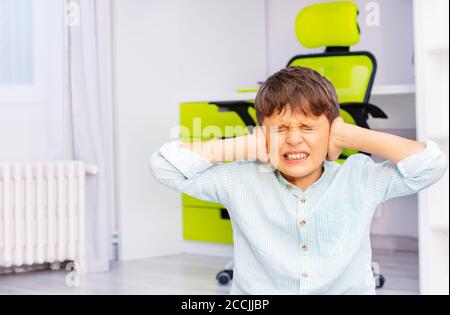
x,y
31,79
31,43
15,42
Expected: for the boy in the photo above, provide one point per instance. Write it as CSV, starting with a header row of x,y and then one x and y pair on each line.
x,y
302,227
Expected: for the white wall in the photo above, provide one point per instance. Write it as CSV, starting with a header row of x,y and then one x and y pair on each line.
x,y
165,51
391,42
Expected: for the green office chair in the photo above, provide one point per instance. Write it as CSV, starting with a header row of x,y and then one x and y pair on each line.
x,y
332,25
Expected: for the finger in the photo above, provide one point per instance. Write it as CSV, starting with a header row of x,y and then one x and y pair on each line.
x,y
267,136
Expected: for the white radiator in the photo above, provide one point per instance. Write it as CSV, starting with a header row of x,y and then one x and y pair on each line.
x,y
42,213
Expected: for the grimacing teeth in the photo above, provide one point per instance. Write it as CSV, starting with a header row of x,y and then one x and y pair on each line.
x,y
296,156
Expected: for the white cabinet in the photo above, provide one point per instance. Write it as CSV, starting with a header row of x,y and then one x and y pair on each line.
x,y
431,25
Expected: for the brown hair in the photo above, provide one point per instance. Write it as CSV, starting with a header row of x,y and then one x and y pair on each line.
x,y
304,89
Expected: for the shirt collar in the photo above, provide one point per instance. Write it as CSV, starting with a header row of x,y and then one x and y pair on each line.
x,y
327,165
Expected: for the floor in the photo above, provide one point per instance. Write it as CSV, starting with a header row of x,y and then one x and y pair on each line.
x,y
182,274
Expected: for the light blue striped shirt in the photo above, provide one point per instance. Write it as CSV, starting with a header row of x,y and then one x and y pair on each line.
x,y
289,241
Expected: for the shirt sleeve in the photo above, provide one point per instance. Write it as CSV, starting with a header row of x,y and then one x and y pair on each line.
x,y
189,173
386,180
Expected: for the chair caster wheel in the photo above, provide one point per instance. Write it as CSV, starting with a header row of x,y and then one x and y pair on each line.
x,y
224,276
379,280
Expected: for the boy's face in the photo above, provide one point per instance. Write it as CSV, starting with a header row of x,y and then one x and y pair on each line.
x,y
297,144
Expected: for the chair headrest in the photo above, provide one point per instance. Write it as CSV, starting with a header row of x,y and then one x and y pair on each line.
x,y
328,24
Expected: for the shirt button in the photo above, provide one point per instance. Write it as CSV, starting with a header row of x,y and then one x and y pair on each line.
x,y
302,223
304,275
303,200
305,248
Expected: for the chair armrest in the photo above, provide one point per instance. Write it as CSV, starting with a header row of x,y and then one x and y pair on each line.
x,y
371,109
241,108
360,112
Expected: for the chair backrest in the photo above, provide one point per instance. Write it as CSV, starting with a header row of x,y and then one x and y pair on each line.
x,y
334,25
351,73
328,24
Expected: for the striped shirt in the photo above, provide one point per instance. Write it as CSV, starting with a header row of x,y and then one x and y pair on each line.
x,y
293,241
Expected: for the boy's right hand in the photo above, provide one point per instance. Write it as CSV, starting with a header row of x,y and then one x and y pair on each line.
x,y
257,148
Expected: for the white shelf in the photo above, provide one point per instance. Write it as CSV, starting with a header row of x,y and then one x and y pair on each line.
x,y
441,227
398,89
219,98
380,90
438,49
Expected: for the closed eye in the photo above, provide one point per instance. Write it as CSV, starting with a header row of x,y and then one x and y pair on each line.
x,y
282,129
308,128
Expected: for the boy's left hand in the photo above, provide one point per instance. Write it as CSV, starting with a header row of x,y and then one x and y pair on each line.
x,y
333,149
